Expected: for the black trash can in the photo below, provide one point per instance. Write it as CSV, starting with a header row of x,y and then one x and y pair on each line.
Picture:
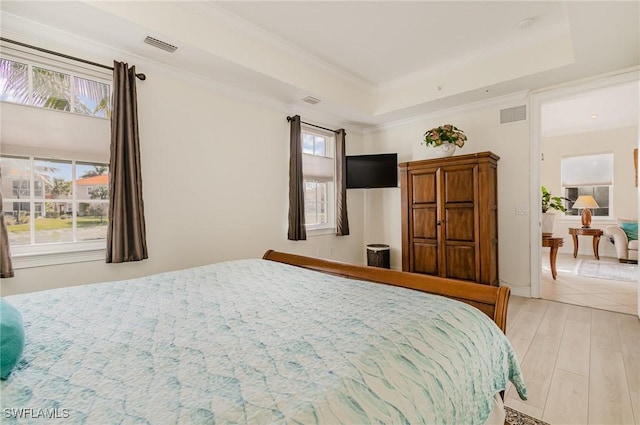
x,y
379,255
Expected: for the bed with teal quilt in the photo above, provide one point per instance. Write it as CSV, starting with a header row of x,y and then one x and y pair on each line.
x,y
254,342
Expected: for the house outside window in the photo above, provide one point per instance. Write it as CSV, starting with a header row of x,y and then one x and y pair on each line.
x,y
60,212
52,108
318,166
588,175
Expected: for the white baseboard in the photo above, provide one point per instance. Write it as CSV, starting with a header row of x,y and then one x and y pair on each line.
x,y
520,291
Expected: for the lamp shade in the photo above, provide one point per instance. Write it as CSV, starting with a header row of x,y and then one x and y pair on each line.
x,y
585,201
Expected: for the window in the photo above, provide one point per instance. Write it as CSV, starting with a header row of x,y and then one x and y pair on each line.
x,y
47,204
319,178
28,84
588,175
56,209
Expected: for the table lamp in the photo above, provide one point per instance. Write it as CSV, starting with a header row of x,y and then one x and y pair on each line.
x,y
585,202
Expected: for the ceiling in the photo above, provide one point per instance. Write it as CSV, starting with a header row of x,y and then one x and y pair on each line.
x,y
598,109
368,62
383,41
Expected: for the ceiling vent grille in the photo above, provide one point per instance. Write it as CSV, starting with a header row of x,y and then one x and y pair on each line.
x,y
517,113
160,44
312,100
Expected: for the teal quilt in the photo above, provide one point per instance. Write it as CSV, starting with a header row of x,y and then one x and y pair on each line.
x,y
254,342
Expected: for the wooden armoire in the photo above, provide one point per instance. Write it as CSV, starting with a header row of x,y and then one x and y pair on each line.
x,y
450,217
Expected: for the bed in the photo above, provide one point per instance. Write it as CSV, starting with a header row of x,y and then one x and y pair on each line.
x,y
282,339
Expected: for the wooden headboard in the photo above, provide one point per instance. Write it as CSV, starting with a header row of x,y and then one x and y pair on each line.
x,y
491,300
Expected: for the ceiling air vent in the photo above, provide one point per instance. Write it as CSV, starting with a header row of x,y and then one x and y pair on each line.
x,y
517,113
160,44
311,100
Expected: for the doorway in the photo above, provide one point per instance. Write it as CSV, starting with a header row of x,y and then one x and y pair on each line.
x,y
594,118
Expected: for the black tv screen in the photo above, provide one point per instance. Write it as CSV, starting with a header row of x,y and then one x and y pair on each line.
x,y
372,171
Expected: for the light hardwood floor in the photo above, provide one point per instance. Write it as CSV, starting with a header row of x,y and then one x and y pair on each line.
x,y
599,293
581,365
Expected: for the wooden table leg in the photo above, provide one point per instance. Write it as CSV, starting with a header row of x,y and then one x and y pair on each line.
x,y
553,255
575,245
596,242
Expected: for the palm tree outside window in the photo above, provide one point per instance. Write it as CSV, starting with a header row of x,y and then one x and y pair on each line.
x,y
53,89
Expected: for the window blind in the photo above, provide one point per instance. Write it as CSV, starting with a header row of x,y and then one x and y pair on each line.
x,y
587,170
318,168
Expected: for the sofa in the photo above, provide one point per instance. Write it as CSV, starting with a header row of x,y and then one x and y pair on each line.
x,y
624,237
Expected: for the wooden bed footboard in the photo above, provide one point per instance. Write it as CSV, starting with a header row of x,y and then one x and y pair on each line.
x,y
491,300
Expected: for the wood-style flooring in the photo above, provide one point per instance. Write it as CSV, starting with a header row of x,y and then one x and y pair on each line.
x,y
599,293
581,365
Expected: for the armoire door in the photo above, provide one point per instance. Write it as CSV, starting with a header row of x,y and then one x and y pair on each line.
x,y
459,220
423,226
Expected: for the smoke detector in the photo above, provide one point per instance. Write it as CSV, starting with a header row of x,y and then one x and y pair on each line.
x,y
526,23
160,44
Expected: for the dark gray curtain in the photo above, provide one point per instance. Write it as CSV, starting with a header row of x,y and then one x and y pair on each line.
x,y
6,269
126,234
297,231
342,219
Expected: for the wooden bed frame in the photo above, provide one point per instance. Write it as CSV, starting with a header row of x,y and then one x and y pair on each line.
x,y
491,300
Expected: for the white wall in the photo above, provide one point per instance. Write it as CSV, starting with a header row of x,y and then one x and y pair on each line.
x,y
620,142
215,186
481,125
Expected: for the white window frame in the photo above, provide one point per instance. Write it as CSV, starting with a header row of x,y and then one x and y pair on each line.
x,y
60,67
69,252
330,226
46,254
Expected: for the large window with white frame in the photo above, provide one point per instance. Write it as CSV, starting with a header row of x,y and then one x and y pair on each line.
x,y
54,172
588,175
47,202
318,166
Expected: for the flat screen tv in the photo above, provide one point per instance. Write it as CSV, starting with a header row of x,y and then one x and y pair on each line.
x,y
372,171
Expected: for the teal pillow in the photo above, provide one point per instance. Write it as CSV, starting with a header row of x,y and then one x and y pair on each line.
x,y
11,338
631,229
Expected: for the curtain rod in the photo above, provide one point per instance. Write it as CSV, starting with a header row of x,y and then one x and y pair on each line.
x,y
313,125
51,52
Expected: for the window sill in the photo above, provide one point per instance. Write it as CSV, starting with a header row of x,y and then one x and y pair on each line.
x,y
321,231
576,220
57,254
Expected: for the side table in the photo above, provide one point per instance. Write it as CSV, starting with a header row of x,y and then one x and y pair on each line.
x,y
586,231
554,244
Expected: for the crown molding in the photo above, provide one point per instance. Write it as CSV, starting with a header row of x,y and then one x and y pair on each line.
x,y
242,26
591,82
57,40
466,61
506,101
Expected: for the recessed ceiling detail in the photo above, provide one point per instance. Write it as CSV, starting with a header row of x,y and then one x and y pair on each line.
x,y
370,62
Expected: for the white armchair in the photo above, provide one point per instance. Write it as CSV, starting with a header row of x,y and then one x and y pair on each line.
x,y
626,250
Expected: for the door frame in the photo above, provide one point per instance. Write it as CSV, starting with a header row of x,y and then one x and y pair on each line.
x,y
535,130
